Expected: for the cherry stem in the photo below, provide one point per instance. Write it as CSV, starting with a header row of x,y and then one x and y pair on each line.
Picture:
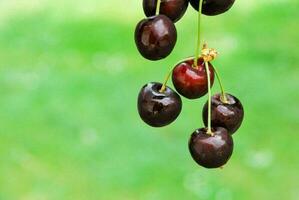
x,y
198,35
223,96
163,88
158,7
209,131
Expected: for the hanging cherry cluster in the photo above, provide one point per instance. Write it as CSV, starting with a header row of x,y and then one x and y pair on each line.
x,y
159,105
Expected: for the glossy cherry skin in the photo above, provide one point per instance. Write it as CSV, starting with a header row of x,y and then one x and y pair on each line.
x,y
157,108
155,37
213,7
211,151
174,9
228,115
192,82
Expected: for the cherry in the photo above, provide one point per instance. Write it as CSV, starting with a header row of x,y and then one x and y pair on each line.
x,y
227,114
158,108
174,9
211,151
213,7
155,37
189,81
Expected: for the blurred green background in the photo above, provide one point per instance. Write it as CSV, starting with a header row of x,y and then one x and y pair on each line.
x,y
69,78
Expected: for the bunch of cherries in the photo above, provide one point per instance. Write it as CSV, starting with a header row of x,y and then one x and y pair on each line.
x,y
159,105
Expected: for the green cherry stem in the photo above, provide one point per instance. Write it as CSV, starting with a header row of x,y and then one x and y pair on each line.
x,y
209,131
163,88
223,96
158,7
198,45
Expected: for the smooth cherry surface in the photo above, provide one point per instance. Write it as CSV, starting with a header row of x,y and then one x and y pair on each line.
x,y
174,9
155,37
211,151
213,7
228,115
158,109
192,82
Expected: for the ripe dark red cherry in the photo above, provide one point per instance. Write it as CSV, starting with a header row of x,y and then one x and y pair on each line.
x,y
211,151
213,7
228,115
174,9
192,82
157,108
155,37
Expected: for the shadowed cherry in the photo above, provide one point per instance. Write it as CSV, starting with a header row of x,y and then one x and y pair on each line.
x,y
211,151
228,115
192,82
174,9
158,108
213,7
155,37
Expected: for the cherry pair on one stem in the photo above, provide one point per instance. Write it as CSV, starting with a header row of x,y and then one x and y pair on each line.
x,y
159,105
